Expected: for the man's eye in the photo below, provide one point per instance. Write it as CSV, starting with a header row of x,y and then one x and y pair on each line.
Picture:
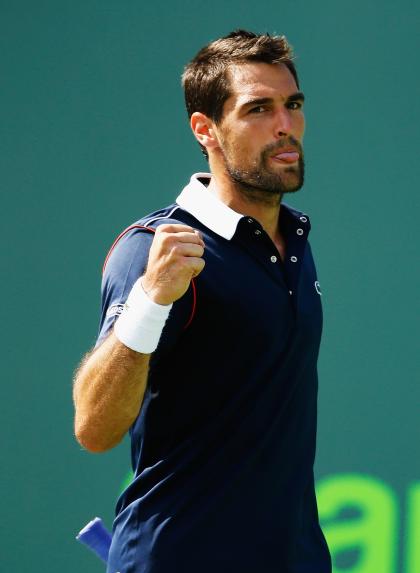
x,y
258,109
294,105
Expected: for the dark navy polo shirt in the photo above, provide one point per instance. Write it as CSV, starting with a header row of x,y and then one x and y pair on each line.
x,y
224,444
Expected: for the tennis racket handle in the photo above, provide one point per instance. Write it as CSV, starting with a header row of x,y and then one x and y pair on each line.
x,y
96,536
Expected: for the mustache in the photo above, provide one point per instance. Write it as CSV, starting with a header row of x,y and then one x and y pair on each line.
x,y
279,145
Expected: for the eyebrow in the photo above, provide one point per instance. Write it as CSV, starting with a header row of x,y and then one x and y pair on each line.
x,y
298,96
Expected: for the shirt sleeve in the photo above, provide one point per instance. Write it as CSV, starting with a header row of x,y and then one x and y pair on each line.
x,y
126,262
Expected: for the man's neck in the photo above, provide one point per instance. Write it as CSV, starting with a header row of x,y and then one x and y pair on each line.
x,y
265,210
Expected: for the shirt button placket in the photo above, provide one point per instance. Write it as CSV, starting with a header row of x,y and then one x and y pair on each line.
x,y
299,232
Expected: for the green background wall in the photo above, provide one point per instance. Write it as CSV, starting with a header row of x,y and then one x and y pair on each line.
x,y
94,135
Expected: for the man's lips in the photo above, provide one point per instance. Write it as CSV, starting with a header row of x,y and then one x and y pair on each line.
x,y
287,156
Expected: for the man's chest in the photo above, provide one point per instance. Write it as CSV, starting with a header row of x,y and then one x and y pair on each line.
x,y
248,292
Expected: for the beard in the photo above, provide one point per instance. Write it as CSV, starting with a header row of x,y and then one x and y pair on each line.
x,y
260,182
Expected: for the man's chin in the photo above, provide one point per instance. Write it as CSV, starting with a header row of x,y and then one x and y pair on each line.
x,y
265,183
293,187
288,184
292,181
289,179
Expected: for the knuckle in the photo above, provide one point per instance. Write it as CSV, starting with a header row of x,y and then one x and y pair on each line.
x,y
162,228
175,249
166,239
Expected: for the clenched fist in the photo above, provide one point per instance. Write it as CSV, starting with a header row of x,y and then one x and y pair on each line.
x,y
175,258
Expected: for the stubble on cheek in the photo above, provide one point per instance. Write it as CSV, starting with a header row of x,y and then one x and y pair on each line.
x,y
239,158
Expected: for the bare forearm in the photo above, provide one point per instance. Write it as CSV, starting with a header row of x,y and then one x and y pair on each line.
x,y
110,384
108,392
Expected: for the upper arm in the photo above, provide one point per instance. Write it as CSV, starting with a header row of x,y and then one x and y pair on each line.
x,y
126,262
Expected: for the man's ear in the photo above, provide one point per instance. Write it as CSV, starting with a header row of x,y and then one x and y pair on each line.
x,y
203,129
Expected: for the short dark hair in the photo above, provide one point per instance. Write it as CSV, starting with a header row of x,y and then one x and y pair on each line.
x,y
206,79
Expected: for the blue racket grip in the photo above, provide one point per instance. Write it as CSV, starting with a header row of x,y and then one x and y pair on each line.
x,y
96,536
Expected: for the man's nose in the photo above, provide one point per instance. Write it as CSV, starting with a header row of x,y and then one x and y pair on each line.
x,y
283,125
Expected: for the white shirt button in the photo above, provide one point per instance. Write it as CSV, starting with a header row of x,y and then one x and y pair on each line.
x,y
299,231
290,292
250,220
257,232
293,259
303,219
273,259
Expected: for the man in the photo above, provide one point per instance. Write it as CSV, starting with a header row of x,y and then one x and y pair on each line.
x,y
209,358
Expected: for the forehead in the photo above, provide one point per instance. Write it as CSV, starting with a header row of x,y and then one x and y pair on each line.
x,y
257,80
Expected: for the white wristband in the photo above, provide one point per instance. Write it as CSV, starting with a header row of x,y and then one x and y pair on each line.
x,y
141,322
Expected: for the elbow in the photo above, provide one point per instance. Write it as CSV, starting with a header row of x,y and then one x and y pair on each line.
x,y
93,440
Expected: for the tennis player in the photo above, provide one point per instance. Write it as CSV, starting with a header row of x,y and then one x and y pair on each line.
x,y
209,337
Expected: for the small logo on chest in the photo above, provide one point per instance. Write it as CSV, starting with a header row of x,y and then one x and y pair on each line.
x,y
318,288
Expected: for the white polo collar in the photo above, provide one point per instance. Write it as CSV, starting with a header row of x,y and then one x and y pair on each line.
x,y
207,208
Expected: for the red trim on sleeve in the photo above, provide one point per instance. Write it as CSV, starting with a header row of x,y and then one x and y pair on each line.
x,y
152,230
120,236
194,304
